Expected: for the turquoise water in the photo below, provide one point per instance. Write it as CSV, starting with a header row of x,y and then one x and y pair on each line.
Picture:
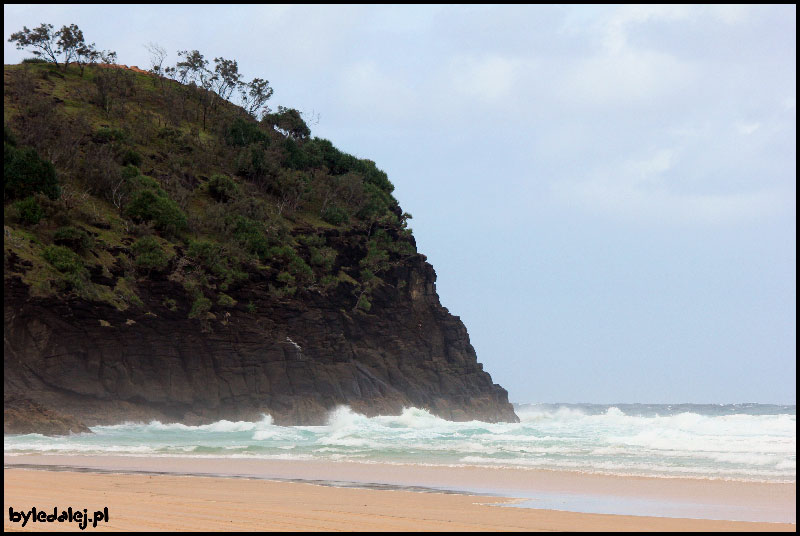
x,y
736,441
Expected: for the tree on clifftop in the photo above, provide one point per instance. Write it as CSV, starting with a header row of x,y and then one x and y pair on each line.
x,y
227,77
193,70
254,97
158,55
69,41
42,39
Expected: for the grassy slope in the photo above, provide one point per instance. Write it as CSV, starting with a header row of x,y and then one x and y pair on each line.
x,y
182,167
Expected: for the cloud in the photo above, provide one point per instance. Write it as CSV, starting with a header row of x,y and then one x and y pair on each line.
x,y
650,168
615,27
747,128
614,71
626,77
488,78
644,190
370,91
729,13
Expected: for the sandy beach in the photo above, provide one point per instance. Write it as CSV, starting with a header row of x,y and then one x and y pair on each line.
x,y
167,498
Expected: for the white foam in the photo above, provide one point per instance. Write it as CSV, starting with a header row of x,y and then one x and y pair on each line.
x,y
219,426
739,446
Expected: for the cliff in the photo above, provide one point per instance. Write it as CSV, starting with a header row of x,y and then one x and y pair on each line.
x,y
194,287
293,360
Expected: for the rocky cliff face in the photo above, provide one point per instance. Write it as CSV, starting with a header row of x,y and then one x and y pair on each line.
x,y
72,362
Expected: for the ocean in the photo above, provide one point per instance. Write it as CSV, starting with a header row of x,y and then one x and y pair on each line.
x,y
747,442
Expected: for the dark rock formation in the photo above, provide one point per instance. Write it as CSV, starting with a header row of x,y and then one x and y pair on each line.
x,y
294,359
23,416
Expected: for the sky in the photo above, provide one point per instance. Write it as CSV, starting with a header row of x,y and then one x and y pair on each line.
x,y
607,193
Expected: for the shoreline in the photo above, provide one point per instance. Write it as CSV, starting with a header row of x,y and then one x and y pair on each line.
x,y
719,500
169,502
44,455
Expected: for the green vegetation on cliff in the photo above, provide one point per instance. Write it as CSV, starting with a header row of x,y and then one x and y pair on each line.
x,y
113,176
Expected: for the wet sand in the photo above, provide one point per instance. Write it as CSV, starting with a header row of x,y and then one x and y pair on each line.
x,y
167,502
558,490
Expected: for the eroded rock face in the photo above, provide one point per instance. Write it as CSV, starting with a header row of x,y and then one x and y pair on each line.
x,y
294,359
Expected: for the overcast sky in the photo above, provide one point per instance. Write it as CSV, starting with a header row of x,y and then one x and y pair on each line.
x,y
607,194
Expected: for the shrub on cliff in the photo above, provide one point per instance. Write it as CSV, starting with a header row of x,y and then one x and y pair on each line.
x,y
242,133
29,211
252,236
69,264
225,301
74,238
324,257
130,157
288,122
148,254
335,215
301,271
222,188
216,260
200,307
253,163
377,202
207,254
63,259
25,173
101,174
363,303
287,257
108,135
288,285
150,203
297,156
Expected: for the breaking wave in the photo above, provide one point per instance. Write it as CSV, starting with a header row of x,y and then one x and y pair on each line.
x,y
742,442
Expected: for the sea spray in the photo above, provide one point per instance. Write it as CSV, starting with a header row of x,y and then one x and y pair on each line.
x,y
740,442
